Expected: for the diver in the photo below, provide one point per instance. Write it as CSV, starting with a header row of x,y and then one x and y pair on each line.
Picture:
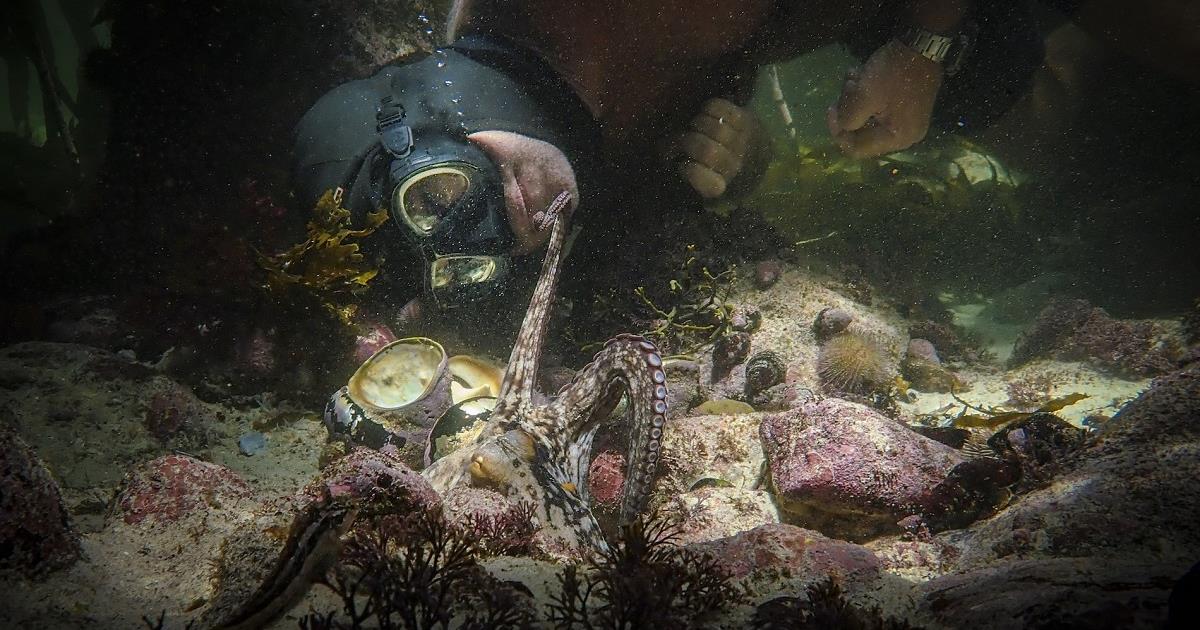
x,y
465,147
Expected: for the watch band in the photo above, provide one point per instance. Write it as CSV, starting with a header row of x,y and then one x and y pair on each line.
x,y
947,50
931,46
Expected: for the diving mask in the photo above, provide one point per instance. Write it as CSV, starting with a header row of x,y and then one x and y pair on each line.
x,y
447,199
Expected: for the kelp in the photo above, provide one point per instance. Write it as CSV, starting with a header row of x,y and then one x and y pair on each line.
x,y
943,213
328,263
992,419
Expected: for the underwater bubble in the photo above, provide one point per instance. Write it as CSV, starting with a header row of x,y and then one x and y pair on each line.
x,y
422,18
448,82
441,64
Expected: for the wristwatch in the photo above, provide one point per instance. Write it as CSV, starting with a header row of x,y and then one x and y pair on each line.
x,y
949,51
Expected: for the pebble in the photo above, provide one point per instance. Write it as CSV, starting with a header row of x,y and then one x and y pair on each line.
x,y
252,443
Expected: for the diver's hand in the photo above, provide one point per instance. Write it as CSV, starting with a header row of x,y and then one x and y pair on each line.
x,y
885,105
719,144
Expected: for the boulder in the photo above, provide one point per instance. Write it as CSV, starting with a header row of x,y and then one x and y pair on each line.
x,y
169,488
36,532
844,469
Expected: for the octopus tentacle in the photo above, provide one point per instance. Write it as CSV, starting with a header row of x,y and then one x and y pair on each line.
x,y
633,362
516,389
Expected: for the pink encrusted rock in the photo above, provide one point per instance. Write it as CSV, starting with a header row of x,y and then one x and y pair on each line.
x,y
376,480
36,533
801,553
606,480
171,487
848,471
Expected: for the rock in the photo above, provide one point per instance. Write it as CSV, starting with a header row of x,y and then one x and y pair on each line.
x,y
922,368
767,273
831,321
174,409
606,480
1074,330
765,553
780,397
683,385
1051,593
1038,445
716,447
729,351
36,532
709,513
364,471
952,346
252,443
1129,492
844,469
168,488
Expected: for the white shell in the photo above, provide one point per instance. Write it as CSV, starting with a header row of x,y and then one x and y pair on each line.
x,y
474,378
400,374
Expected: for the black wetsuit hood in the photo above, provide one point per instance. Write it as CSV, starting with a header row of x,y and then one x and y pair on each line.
x,y
479,83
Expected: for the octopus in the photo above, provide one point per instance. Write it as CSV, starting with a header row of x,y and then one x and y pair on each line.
x,y
533,449
539,450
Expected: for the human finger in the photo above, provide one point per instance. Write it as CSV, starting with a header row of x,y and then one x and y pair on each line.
x,y
705,181
728,113
855,105
726,135
707,152
874,138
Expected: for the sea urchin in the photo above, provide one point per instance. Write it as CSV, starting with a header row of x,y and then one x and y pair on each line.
x,y
853,363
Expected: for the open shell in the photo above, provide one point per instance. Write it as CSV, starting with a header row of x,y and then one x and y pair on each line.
x,y
400,374
475,382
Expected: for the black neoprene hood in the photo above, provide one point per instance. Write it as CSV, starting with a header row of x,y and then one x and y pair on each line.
x,y
477,84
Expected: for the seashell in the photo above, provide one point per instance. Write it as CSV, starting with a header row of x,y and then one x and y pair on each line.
x,y
831,321
460,425
475,383
730,350
401,373
393,399
764,370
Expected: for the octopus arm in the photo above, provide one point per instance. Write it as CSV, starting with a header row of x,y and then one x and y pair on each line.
x,y
633,364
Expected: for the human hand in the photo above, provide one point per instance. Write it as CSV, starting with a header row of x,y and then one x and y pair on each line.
x,y
719,143
885,105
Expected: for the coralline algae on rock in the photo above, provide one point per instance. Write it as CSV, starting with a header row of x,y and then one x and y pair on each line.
x,y
170,487
36,533
845,469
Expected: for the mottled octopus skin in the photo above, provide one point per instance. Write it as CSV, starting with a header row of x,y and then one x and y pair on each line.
x,y
541,452
530,451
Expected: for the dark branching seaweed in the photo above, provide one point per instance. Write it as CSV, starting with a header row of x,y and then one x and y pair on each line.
x,y
417,572
824,607
506,534
643,580
161,622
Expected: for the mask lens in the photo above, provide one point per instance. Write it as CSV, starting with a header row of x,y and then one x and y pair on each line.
x,y
424,198
459,271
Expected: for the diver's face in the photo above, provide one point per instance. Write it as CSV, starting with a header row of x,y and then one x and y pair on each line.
x,y
534,172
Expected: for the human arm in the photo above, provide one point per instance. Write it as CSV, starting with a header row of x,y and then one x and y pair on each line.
x,y
885,105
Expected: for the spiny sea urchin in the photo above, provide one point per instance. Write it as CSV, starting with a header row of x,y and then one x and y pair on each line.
x,y
852,362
